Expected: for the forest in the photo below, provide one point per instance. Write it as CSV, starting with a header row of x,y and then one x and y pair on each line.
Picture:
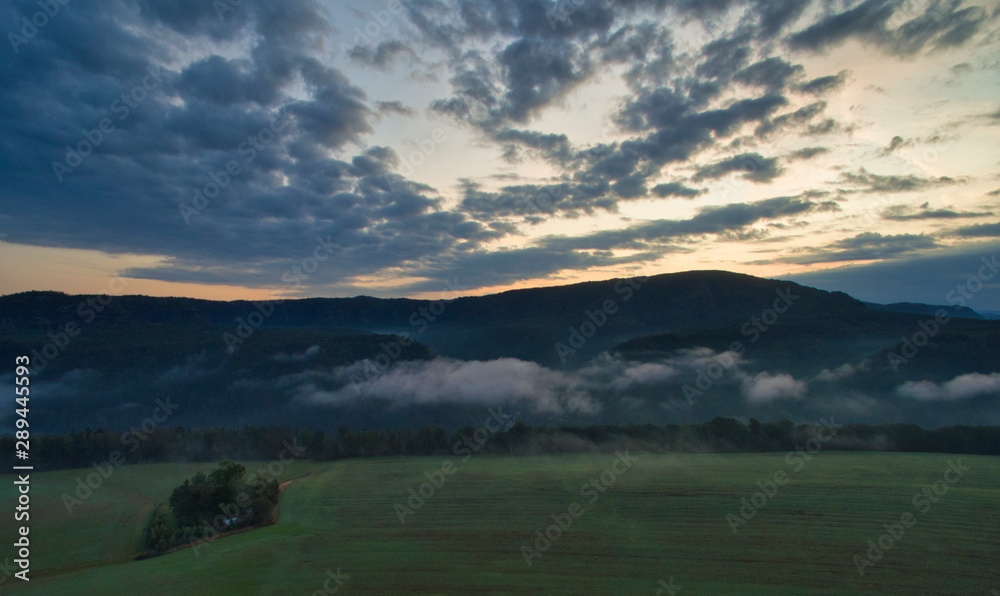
x,y
719,435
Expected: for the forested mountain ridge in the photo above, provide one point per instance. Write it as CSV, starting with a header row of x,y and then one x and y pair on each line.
x,y
614,351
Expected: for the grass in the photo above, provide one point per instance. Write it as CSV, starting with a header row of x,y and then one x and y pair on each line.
x,y
665,517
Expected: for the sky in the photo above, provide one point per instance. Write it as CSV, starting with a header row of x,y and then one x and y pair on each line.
x,y
243,150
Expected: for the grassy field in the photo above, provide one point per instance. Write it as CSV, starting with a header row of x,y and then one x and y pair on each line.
x,y
662,518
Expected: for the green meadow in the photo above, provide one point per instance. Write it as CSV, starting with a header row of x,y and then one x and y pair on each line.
x,y
627,527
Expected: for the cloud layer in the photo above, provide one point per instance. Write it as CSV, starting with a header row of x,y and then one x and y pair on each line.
x,y
225,143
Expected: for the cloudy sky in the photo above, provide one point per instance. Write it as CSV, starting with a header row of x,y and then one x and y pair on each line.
x,y
209,149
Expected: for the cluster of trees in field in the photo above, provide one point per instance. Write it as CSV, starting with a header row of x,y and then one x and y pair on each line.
x,y
178,444
223,500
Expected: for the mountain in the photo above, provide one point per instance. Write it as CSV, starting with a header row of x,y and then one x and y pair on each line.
x,y
620,350
524,324
926,309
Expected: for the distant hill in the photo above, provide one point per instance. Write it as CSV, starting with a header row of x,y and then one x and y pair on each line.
x,y
523,324
926,309
626,347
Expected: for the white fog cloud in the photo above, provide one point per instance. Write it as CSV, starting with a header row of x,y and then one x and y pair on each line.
x,y
486,383
766,387
961,387
310,353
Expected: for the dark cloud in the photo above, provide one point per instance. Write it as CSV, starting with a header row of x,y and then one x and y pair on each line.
x,y
606,173
734,217
867,246
537,73
476,91
943,25
276,112
866,21
680,134
757,168
622,169
979,231
500,267
772,73
876,240
675,116
394,107
228,81
648,49
907,213
770,126
632,186
823,127
529,75
381,55
821,85
675,189
807,153
894,144
775,15
336,112
554,147
869,182
450,23
940,25
537,200
376,161
724,57
615,165
653,108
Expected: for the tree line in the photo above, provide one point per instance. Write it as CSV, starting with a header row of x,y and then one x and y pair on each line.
x,y
719,435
